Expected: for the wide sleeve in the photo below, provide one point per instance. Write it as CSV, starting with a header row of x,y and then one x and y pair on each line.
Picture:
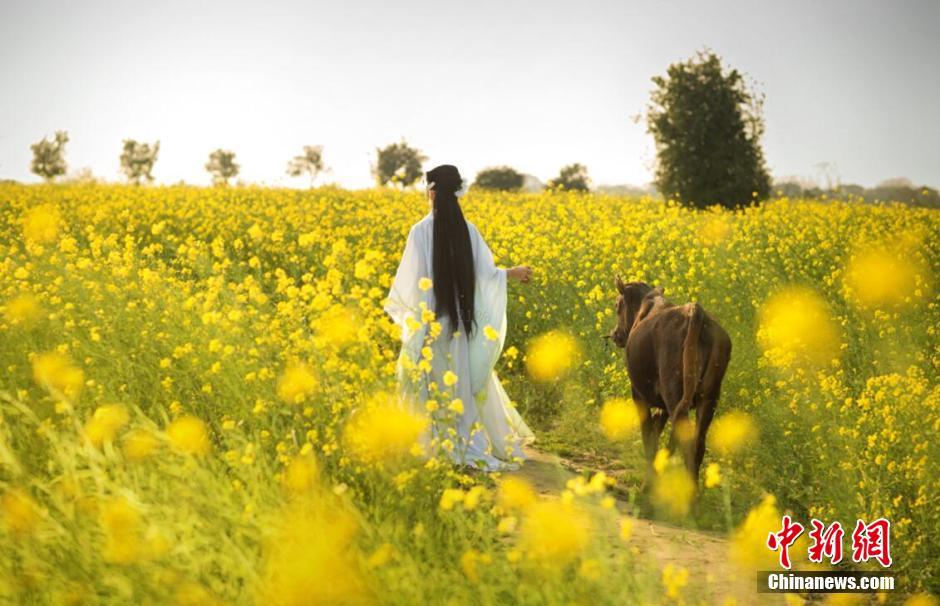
x,y
405,296
490,301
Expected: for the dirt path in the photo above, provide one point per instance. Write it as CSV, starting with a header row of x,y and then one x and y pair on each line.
x,y
712,578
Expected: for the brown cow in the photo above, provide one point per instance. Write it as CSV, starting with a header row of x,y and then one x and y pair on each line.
x,y
676,356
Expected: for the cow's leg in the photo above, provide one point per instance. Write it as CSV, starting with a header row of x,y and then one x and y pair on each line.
x,y
651,426
706,411
711,390
682,435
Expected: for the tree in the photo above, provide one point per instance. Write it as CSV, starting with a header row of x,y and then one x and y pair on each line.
x,y
707,126
49,156
572,177
222,166
501,178
311,162
137,160
398,163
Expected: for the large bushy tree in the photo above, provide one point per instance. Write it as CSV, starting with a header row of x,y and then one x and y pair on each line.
x,y
573,177
49,156
500,178
222,166
310,162
397,164
707,125
137,160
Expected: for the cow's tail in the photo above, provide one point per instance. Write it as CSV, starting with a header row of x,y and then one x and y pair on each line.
x,y
690,358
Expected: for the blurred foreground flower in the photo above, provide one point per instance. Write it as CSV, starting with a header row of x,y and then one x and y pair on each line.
x,y
18,511
515,494
139,444
123,529
884,278
385,432
105,423
312,557
618,418
56,373
339,326
673,490
731,432
748,544
301,474
297,382
188,435
551,355
41,224
712,475
554,532
674,580
797,330
22,309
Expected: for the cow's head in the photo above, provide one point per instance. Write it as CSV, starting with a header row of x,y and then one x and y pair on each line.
x,y
630,297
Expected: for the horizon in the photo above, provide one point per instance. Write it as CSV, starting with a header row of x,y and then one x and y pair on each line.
x,y
492,87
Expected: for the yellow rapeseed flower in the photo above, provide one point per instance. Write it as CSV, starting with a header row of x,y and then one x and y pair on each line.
x,y
188,435
311,558
748,544
618,418
18,511
797,329
105,423
55,372
22,309
731,432
385,432
450,497
553,532
515,494
551,355
301,474
673,490
123,527
712,475
675,578
41,224
297,383
880,277
139,444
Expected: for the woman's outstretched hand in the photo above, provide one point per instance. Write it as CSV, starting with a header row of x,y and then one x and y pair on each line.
x,y
522,273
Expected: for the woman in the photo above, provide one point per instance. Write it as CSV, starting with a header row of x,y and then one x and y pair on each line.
x,y
448,269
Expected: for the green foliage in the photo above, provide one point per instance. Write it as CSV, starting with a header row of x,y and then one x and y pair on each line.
x,y
311,163
500,178
49,156
137,160
572,177
707,126
222,166
398,164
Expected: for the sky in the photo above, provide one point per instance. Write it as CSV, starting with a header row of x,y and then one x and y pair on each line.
x,y
850,84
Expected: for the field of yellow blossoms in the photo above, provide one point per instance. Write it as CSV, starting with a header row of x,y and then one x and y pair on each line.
x,y
197,399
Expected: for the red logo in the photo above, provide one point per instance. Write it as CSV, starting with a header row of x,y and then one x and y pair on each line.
x,y
826,542
784,539
869,541
872,541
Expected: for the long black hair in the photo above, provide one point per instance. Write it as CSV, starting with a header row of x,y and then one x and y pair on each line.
x,y
454,277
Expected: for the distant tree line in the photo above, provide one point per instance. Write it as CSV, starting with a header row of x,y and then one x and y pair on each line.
x,y
892,190
706,122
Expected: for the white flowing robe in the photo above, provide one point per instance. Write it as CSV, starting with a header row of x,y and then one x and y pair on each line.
x,y
501,431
